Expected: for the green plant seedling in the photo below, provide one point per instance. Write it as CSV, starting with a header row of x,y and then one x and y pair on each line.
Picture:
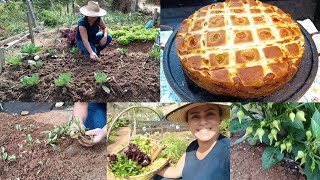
x,y
14,60
27,81
63,80
52,52
35,64
74,50
101,77
18,127
5,156
32,142
30,49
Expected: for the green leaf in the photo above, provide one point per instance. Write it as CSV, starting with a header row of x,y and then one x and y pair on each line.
x,y
311,175
240,140
315,124
4,155
297,124
299,135
270,157
11,157
297,147
29,137
106,89
254,140
235,126
2,149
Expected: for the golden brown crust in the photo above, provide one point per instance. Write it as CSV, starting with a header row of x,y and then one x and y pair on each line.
x,y
241,48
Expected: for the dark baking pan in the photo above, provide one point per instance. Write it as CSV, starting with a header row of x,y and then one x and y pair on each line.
x,y
189,91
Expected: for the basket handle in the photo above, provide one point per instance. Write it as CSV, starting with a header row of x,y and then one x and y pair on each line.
x,y
122,112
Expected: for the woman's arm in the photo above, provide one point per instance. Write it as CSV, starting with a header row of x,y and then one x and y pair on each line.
x,y
104,28
80,111
84,37
174,172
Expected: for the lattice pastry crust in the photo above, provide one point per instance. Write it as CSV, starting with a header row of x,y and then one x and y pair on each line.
x,y
240,48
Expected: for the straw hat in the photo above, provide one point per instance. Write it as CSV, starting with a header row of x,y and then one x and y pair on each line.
x,y
179,115
92,9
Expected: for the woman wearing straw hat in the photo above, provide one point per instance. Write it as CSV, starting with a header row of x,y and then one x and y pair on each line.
x,y
88,38
208,157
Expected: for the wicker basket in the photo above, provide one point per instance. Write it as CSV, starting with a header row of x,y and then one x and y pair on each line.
x,y
145,176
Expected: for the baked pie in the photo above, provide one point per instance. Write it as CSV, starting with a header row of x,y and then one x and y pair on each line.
x,y
240,48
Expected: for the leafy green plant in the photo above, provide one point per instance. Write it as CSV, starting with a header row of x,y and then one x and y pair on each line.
x,y
155,53
27,81
290,129
50,18
32,142
5,156
102,78
174,146
79,132
63,80
30,49
74,50
124,167
35,64
14,60
18,127
123,40
52,52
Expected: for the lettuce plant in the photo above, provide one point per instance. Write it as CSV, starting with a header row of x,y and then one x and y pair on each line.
x,y
27,81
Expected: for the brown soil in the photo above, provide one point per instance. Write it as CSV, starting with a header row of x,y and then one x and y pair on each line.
x,y
79,162
246,164
135,77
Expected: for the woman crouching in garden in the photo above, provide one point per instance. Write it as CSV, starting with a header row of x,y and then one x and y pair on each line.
x,y
88,38
208,157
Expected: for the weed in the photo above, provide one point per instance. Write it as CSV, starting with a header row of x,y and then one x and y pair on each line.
x,y
18,127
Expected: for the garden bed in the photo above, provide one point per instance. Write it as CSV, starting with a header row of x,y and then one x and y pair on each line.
x,y
43,162
246,164
134,76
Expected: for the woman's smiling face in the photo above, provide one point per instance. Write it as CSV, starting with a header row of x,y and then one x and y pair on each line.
x,y
204,121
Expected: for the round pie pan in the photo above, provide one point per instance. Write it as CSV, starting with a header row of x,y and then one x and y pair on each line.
x,y
190,92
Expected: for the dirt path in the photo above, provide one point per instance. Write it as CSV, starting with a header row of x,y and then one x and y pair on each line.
x,y
246,164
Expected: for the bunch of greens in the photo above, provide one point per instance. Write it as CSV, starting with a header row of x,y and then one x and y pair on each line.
x,y
121,166
74,50
133,152
27,81
144,143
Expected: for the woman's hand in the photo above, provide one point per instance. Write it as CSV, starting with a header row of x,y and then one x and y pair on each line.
x,y
103,41
93,55
98,136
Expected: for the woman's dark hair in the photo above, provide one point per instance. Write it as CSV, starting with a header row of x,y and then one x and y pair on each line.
x,y
220,112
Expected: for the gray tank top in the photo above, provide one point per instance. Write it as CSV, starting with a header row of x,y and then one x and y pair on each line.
x,y
216,165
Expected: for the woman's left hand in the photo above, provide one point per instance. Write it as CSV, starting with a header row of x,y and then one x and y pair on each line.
x,y
103,41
